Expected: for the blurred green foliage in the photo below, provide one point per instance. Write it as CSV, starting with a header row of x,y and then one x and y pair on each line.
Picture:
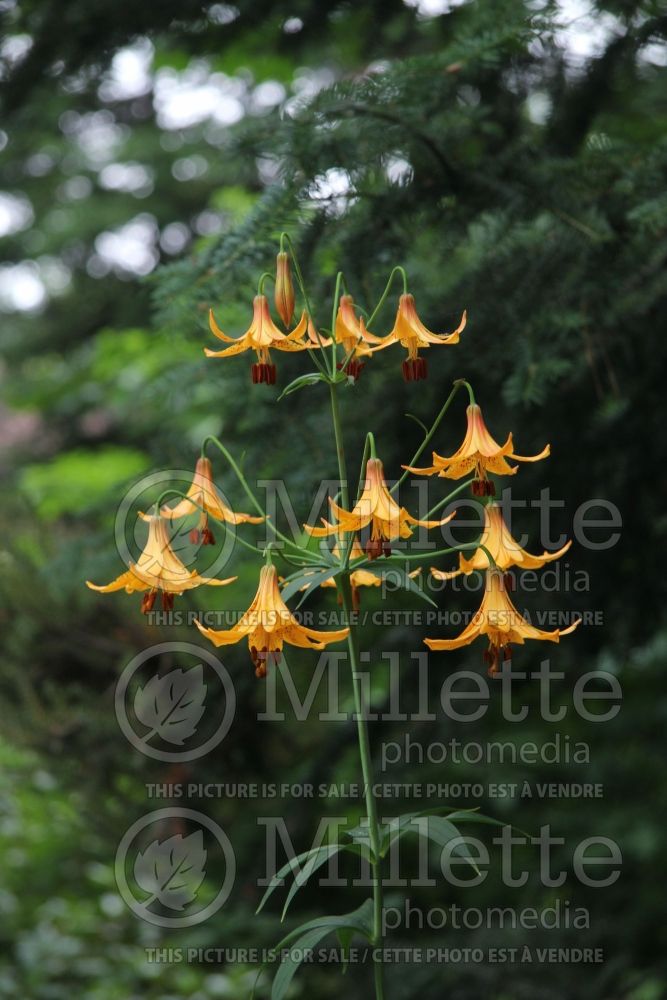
x,y
512,176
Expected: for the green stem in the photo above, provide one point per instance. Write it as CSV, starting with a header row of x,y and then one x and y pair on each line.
x,y
431,555
450,496
262,279
218,520
362,726
303,553
434,426
396,270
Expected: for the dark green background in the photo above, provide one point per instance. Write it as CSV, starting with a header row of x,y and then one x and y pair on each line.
x,y
535,198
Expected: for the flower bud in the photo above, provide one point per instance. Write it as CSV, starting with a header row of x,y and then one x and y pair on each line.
x,y
284,294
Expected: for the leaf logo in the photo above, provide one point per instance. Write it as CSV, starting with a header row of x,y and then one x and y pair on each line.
x,y
172,871
170,706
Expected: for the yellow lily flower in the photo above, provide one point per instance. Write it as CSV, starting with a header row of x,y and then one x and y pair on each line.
x,y
498,619
351,332
410,332
284,289
261,336
479,453
506,552
376,507
268,624
204,493
158,569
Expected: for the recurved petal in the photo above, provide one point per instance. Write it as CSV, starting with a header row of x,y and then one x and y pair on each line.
x,y
216,331
427,524
328,529
310,638
128,581
224,637
546,451
469,634
441,574
445,338
237,348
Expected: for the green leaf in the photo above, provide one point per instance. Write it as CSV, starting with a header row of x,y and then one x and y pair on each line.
x,y
289,868
317,859
438,829
405,582
308,935
301,382
309,580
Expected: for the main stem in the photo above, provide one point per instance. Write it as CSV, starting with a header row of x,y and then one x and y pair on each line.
x,y
359,707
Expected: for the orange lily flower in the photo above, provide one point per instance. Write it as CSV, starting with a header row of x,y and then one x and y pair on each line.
x,y
479,453
204,493
261,336
506,552
376,507
351,332
498,619
268,623
158,569
410,332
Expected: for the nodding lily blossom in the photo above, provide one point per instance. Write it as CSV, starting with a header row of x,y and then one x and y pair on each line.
x,y
376,507
352,334
506,552
410,332
204,494
498,619
480,454
284,289
268,624
158,569
262,335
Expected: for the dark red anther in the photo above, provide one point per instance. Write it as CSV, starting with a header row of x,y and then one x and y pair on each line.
x,y
352,369
374,548
263,658
507,653
271,374
254,372
508,582
386,548
421,368
167,601
194,536
147,602
207,537
408,370
491,658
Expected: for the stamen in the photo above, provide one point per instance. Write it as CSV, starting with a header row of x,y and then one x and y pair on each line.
x,y
147,602
374,548
194,536
167,601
